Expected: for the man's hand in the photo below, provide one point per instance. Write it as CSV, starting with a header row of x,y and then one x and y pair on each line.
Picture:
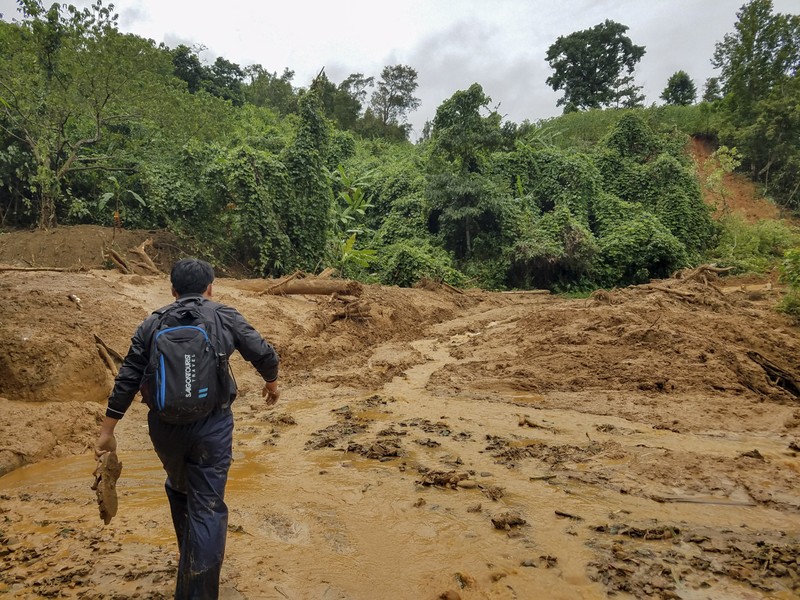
x,y
271,392
106,442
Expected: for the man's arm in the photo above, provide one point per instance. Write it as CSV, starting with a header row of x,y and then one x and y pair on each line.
x,y
126,384
257,351
129,378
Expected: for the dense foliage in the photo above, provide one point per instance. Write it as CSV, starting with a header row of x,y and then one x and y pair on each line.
x,y
103,127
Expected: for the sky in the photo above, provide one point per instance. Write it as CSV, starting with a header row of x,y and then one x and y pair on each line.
x,y
500,44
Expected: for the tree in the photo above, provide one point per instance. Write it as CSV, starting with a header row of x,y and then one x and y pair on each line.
x,y
462,196
270,90
188,67
712,91
349,99
225,81
588,66
307,215
394,98
68,78
763,52
626,94
680,90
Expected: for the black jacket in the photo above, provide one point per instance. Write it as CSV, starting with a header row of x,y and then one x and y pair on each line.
x,y
236,334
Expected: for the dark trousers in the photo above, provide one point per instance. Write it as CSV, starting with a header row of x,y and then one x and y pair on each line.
x,y
196,457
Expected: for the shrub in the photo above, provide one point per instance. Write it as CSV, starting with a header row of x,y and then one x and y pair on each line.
x,y
752,247
407,262
637,250
790,274
556,250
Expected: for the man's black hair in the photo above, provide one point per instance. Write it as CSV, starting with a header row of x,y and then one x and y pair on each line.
x,y
191,276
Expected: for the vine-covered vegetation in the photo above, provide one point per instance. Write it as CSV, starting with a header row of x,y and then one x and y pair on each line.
x,y
98,126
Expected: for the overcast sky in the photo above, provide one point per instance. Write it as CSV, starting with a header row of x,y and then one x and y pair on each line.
x,y
500,44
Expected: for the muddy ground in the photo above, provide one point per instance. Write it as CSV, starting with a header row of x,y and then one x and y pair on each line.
x,y
638,444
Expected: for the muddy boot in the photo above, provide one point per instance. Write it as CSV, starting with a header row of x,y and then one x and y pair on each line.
x,y
105,485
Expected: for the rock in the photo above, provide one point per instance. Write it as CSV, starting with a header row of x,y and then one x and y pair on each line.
x,y
507,521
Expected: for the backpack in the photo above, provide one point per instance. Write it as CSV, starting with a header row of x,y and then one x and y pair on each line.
x,y
186,377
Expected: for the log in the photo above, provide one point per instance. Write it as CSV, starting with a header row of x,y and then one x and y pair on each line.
x,y
141,251
119,262
658,288
278,287
58,270
316,286
777,375
704,500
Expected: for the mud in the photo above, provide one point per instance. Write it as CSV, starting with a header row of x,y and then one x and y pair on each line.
x,y
449,445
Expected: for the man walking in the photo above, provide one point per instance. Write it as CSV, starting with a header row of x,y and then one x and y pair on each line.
x,y
196,452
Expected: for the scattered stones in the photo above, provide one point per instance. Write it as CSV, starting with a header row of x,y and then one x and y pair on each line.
x,y
507,520
378,450
752,454
657,532
328,437
449,479
493,492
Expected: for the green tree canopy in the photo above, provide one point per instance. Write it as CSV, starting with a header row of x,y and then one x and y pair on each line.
x,y
680,89
394,97
763,51
68,79
590,66
712,91
271,90
462,196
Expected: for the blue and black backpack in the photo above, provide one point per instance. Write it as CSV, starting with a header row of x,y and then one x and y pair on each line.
x,y
187,376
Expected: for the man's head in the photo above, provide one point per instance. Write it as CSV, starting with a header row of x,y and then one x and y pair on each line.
x,y
191,276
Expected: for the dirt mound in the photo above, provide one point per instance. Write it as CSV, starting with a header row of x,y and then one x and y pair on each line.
x,y
83,247
663,340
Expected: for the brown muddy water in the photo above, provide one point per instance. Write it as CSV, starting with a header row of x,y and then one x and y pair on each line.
x,y
329,499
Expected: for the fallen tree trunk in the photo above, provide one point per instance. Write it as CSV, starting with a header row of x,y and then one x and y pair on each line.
x,y
58,270
316,286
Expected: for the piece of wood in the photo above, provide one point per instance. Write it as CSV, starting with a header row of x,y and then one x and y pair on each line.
x,y
447,286
119,262
147,263
540,292
701,271
101,350
276,288
326,273
777,375
57,270
704,500
114,354
316,286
